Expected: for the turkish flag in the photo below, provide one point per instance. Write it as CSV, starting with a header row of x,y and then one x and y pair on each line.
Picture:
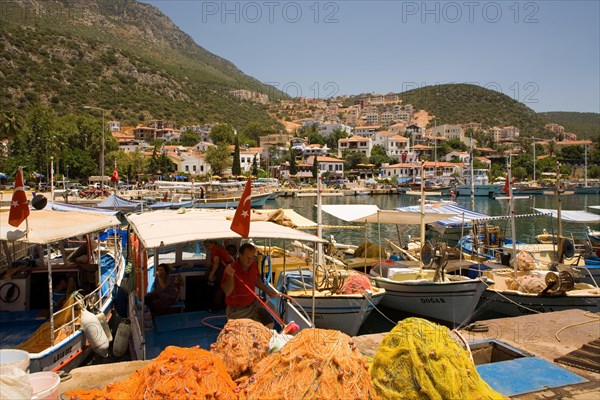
x,y
19,207
241,219
115,176
506,187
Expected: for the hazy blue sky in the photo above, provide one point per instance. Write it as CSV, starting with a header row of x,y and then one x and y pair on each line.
x,y
543,53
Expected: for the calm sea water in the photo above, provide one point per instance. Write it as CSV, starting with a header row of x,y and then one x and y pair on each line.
x,y
526,228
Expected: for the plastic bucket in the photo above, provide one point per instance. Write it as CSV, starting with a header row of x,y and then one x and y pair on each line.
x,y
14,358
45,385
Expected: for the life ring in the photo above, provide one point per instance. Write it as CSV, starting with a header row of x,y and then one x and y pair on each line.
x,y
10,297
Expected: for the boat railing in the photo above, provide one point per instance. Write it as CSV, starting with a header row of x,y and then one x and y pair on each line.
x,y
96,299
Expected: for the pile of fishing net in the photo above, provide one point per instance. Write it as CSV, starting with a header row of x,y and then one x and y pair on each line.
x,y
356,283
40,340
527,284
185,373
525,261
420,360
316,364
241,344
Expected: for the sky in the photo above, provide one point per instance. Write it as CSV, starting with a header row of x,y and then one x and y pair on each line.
x,y
545,54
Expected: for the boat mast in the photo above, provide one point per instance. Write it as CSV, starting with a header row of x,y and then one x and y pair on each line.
x,y
472,176
585,150
511,207
558,208
422,221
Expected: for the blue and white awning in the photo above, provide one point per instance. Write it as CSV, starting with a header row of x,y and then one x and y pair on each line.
x,y
464,216
578,216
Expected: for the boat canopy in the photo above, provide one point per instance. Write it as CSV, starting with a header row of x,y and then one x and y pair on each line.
x,y
461,215
49,226
169,227
594,207
371,213
75,207
578,216
114,201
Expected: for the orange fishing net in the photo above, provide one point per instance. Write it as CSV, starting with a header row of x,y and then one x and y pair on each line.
x,y
356,283
316,364
241,344
185,373
40,340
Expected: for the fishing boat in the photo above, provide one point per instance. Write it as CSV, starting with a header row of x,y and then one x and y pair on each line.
x,y
480,184
432,294
332,308
177,238
520,292
59,252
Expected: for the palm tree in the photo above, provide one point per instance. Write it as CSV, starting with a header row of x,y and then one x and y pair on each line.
x,y
9,125
552,148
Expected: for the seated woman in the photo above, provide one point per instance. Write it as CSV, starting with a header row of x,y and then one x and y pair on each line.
x,y
164,294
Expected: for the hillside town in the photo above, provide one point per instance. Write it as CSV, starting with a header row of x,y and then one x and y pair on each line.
x,y
328,132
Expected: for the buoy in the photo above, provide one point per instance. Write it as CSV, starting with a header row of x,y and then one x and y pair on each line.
x,y
122,338
102,318
94,333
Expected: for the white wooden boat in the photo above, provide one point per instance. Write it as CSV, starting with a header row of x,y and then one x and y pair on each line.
x,y
331,309
34,263
176,238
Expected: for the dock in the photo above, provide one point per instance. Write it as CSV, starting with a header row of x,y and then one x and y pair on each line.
x,y
547,336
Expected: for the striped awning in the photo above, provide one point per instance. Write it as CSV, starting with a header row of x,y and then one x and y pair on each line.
x,y
463,216
577,216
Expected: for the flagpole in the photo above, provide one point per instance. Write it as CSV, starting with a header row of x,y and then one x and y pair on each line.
x,y
51,180
511,206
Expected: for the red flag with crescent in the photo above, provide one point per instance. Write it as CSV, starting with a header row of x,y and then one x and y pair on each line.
x,y
506,187
114,178
241,219
19,207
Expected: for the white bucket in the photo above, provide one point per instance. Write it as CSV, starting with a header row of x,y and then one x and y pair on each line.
x,y
14,358
45,385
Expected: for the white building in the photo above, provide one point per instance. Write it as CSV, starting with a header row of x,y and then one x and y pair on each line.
x,y
355,143
328,164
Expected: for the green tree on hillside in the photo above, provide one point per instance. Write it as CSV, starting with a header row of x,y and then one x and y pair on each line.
x,y
255,166
222,133
218,158
189,138
293,166
236,168
353,158
379,156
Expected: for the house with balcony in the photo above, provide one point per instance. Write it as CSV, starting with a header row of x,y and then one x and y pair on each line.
x,y
142,132
355,143
315,150
441,169
458,156
396,145
191,163
331,165
400,170
366,130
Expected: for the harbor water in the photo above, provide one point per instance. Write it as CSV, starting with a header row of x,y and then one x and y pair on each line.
x,y
526,228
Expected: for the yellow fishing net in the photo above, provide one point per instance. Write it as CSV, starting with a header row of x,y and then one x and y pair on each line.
x,y
316,364
420,360
40,340
241,344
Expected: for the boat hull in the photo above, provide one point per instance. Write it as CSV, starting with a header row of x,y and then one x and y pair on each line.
x,y
479,190
257,201
452,302
514,304
345,313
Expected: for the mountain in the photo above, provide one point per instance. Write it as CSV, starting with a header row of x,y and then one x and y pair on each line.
x,y
119,55
585,125
464,103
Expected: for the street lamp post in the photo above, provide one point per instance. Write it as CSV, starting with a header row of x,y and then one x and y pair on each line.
x,y
102,148
534,139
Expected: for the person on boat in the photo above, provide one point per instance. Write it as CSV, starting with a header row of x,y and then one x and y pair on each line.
x,y
232,250
219,258
164,294
238,283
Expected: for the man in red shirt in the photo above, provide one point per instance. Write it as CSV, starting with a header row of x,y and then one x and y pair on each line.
x,y
219,258
240,299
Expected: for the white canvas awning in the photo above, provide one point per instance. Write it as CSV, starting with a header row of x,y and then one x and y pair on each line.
x,y
168,227
578,216
595,207
371,213
49,226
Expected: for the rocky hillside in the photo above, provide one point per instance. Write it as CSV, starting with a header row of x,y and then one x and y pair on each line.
x,y
120,55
